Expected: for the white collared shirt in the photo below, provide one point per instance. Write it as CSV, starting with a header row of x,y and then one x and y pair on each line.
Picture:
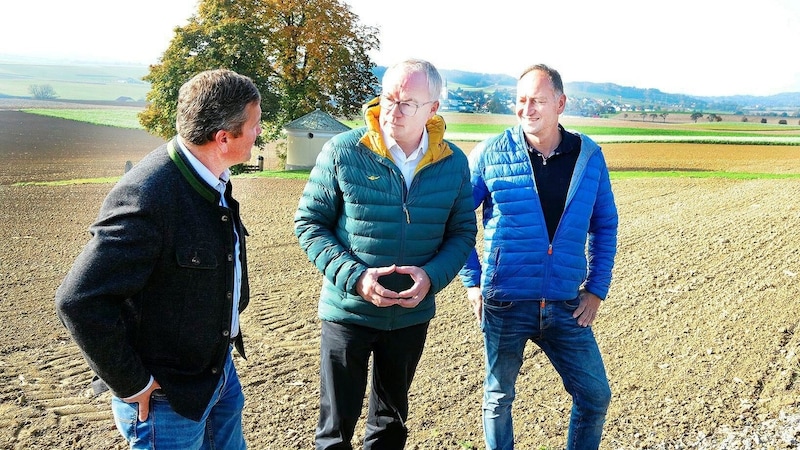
x,y
407,164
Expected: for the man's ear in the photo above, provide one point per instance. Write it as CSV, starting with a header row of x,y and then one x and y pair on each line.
x,y
434,109
562,103
221,137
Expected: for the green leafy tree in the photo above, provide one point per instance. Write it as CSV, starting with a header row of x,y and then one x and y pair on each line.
x,y
302,55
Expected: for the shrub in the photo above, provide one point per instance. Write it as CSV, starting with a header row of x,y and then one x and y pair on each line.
x,y
42,91
238,169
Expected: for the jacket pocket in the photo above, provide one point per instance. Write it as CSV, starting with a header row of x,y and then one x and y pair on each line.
x,y
196,258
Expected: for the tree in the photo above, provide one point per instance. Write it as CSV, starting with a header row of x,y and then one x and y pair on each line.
x,y
302,55
497,104
42,91
696,116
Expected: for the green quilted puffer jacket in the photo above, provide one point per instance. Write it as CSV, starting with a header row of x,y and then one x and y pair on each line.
x,y
356,212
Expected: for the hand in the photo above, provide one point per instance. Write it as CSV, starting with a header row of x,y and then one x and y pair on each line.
x,y
411,297
476,300
587,309
372,291
143,400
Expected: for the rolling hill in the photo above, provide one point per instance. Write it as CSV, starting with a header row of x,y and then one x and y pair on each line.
x,y
77,81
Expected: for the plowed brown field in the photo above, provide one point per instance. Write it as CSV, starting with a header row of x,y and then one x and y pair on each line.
x,y
699,332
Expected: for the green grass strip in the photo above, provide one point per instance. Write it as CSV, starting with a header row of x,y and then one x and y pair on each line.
x,y
121,118
281,174
476,128
592,130
624,131
708,140
615,175
68,182
746,126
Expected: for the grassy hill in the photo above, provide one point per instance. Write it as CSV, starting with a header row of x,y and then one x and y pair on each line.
x,y
110,83
75,82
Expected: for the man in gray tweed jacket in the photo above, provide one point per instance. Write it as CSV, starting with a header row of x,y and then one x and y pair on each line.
x,y
153,300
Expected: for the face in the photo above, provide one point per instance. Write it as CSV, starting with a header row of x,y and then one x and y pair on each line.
x,y
402,86
538,105
239,148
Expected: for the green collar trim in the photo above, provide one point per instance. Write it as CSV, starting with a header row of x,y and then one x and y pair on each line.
x,y
202,188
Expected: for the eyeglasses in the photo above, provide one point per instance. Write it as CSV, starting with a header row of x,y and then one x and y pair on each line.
x,y
408,109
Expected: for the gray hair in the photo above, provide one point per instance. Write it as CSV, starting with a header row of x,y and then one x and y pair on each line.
x,y
211,101
420,65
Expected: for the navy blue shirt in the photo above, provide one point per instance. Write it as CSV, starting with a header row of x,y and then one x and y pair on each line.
x,y
553,175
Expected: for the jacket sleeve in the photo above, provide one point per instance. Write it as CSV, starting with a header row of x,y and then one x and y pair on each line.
x,y
470,273
315,221
113,266
459,238
602,239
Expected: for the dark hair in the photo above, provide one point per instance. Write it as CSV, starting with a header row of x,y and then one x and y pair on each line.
x,y
552,74
211,101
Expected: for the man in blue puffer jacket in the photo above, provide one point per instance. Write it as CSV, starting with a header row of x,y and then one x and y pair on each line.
x,y
387,217
550,238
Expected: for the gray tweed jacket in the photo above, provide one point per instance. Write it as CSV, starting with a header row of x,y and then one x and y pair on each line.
x,y
152,291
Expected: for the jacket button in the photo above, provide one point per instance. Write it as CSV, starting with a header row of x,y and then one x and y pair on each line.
x,y
226,333
229,295
230,257
224,218
214,370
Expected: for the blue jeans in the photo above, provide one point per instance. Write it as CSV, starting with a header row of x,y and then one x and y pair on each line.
x,y
219,428
573,351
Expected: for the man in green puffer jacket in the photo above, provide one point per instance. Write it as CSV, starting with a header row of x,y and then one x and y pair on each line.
x,y
387,217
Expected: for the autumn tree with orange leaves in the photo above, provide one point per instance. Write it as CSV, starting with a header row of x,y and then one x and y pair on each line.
x,y
302,55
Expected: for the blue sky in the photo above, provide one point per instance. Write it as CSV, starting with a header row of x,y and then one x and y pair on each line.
x,y
698,47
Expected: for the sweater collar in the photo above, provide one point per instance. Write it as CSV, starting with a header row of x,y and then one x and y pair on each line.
x,y
189,173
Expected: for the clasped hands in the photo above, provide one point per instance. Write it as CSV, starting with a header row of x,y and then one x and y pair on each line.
x,y
370,288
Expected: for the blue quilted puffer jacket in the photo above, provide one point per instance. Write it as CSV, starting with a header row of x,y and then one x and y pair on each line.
x,y
356,212
519,262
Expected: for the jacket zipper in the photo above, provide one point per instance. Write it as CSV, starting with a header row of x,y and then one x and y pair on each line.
x,y
407,190
541,312
547,269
